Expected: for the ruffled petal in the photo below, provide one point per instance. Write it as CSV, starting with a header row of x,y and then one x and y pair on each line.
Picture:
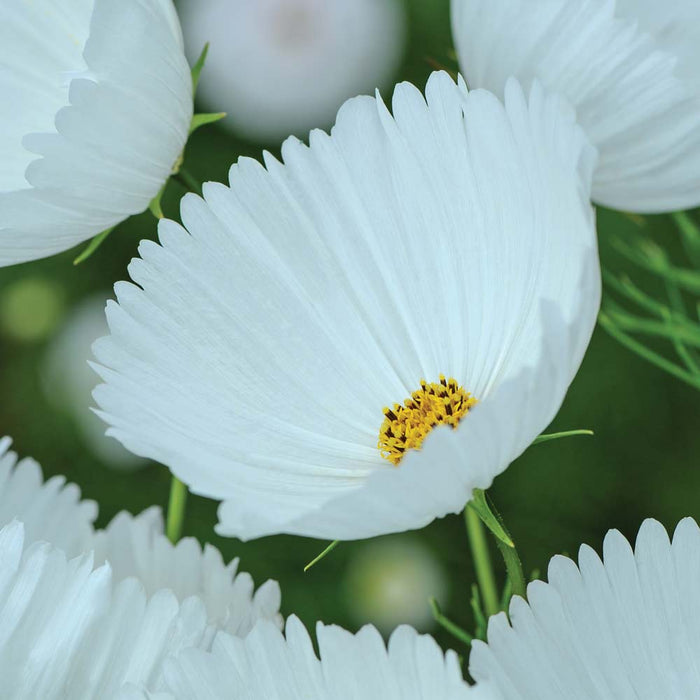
x,y
128,107
625,628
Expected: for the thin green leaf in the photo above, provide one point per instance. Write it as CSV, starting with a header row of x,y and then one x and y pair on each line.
x,y
93,245
197,68
651,258
685,333
327,550
483,510
546,437
203,119
690,235
447,624
648,354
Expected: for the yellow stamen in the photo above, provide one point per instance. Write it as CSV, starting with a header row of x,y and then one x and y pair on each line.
x,y
405,427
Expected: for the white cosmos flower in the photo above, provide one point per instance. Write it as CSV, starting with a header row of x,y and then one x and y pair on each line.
x,y
630,68
96,108
263,341
625,628
279,67
352,667
52,511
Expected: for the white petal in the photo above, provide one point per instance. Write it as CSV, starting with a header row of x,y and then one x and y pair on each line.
x,y
279,67
625,629
50,511
135,547
266,665
455,237
107,107
628,67
68,632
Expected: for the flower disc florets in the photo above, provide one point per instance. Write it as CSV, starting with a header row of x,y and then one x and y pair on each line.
x,y
405,427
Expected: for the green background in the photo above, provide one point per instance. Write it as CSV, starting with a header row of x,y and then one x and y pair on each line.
x,y
640,463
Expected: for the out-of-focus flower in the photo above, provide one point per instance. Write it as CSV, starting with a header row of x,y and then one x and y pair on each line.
x,y
352,667
30,308
390,581
629,67
281,67
69,380
441,261
625,628
134,547
95,111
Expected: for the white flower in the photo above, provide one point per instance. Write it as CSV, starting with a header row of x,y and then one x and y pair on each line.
x,y
97,104
389,582
69,381
352,667
622,629
70,631
279,67
259,352
52,511
630,68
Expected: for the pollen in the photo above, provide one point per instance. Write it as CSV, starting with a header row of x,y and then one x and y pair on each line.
x,y
406,426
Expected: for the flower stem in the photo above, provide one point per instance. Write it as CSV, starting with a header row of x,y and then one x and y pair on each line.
x,y
188,181
176,510
482,561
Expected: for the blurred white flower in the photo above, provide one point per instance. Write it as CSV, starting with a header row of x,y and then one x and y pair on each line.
x,y
281,67
69,380
629,67
389,582
425,260
625,628
134,546
266,666
96,108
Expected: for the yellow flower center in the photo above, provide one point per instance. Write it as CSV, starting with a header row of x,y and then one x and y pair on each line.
x,y
405,427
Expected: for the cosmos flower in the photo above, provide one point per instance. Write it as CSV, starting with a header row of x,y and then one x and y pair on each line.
x,y
624,628
290,349
135,547
266,665
629,67
279,67
96,109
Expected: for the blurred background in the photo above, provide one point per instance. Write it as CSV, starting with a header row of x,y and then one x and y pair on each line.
x,y
284,67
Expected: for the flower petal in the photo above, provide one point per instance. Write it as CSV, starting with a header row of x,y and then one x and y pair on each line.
x,y
624,629
114,144
630,70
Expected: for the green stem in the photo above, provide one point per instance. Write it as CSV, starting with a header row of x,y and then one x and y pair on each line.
x,y
188,181
176,510
482,561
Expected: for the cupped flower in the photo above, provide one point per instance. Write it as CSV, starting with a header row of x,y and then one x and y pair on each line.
x,y
290,351
134,546
281,67
268,665
96,109
624,628
629,67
